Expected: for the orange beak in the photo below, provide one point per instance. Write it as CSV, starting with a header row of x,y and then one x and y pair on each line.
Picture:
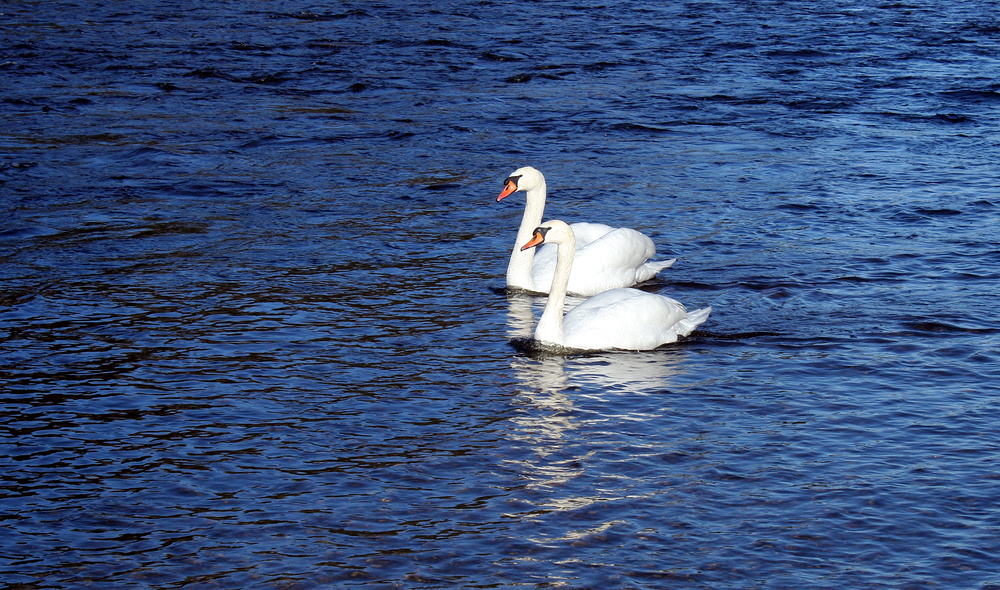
x,y
508,189
536,239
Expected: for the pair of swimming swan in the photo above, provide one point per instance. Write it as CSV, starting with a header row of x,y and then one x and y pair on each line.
x,y
591,259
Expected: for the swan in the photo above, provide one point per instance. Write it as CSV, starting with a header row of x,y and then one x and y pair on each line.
x,y
618,319
606,257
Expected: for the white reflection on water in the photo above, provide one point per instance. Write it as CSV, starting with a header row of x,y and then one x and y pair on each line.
x,y
550,384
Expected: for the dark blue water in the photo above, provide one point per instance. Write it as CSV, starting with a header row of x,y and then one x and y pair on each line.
x,y
253,332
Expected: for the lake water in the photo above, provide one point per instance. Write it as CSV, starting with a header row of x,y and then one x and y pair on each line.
x,y
253,331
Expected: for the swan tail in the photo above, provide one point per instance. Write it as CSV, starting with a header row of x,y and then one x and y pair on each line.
x,y
649,269
658,265
693,320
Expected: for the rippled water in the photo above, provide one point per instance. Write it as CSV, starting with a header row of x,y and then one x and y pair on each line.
x,y
254,335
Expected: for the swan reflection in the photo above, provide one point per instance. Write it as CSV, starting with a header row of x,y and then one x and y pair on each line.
x,y
570,410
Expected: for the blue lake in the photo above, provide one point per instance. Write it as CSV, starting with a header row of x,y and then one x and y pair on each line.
x,y
253,329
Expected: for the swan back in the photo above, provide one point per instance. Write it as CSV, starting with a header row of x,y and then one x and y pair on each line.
x,y
628,319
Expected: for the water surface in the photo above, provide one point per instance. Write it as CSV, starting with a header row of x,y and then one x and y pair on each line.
x,y
254,335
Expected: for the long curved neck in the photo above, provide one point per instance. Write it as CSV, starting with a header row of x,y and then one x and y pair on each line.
x,y
519,267
550,325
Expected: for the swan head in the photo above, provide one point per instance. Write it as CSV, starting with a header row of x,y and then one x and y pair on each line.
x,y
551,232
522,179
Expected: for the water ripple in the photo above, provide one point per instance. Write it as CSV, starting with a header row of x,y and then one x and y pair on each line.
x,y
254,331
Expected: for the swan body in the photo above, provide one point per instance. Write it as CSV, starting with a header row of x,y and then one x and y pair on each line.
x,y
606,257
617,319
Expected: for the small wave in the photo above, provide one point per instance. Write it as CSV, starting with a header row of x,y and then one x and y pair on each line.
x,y
308,15
207,73
810,53
822,105
24,232
639,127
937,212
952,118
439,43
923,214
801,207
933,327
243,46
442,186
972,95
737,335
17,166
86,139
497,56
143,154
171,228
264,79
267,79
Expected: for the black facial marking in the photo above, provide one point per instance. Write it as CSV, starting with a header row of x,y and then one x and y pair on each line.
x,y
542,230
513,179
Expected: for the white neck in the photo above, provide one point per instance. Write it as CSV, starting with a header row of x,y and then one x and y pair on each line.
x,y
519,267
550,325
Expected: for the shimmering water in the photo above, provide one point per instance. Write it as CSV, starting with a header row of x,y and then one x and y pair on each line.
x,y
253,332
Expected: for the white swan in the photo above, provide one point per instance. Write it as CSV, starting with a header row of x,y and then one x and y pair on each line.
x,y
619,319
605,257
